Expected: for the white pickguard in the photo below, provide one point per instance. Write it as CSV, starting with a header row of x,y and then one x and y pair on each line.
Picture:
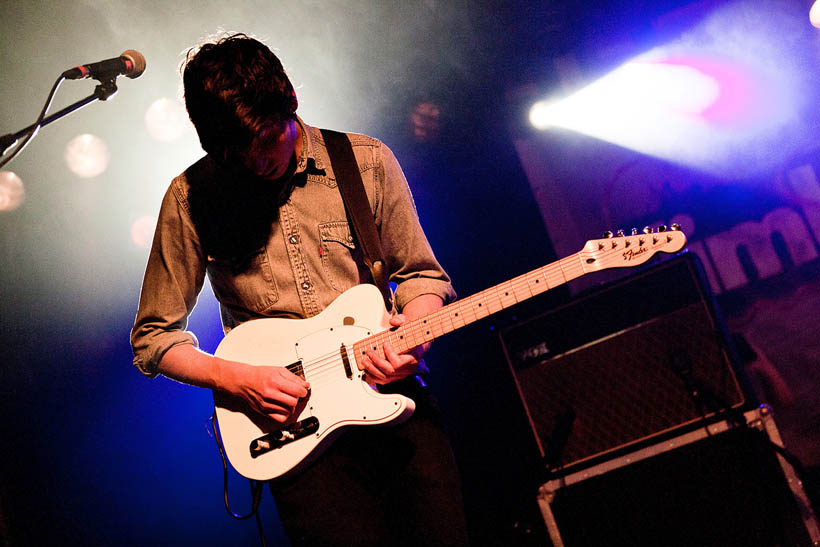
x,y
335,399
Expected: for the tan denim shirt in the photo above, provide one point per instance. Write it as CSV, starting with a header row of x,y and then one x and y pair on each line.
x,y
309,259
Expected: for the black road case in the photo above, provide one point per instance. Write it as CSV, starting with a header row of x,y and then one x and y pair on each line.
x,y
722,486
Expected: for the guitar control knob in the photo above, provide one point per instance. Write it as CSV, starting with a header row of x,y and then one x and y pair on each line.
x,y
676,227
662,228
634,231
620,233
647,230
607,234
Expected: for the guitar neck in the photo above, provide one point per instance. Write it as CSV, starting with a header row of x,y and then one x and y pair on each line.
x,y
478,306
600,254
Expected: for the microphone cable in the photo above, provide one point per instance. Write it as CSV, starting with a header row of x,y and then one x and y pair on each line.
x,y
34,128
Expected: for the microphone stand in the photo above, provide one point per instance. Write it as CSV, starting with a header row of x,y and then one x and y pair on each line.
x,y
102,92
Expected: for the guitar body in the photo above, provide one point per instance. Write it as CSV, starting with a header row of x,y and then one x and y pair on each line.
x,y
321,347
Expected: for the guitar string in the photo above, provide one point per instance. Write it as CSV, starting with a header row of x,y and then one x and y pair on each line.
x,y
565,270
488,302
331,361
414,330
317,368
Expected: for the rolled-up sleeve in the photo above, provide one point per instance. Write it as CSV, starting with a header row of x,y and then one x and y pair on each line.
x,y
410,259
173,279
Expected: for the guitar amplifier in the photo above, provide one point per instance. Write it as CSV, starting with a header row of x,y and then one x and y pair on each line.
x,y
623,364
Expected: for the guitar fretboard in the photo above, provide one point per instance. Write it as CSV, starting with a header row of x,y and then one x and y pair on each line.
x,y
611,252
478,306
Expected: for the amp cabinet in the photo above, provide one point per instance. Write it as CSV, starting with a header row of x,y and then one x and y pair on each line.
x,y
625,364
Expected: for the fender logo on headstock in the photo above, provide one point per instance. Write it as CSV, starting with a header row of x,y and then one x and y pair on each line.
x,y
632,254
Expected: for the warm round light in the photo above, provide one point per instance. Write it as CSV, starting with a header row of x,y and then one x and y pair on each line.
x,y
142,231
86,155
166,119
12,191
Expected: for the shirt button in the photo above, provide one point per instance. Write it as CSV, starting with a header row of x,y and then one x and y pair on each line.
x,y
294,239
305,285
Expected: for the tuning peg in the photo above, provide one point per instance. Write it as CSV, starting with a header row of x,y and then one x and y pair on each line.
x,y
676,227
620,233
634,231
607,234
647,230
662,228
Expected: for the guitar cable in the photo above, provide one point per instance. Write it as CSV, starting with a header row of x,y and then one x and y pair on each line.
x,y
256,486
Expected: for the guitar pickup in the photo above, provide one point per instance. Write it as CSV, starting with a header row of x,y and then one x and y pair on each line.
x,y
346,361
281,437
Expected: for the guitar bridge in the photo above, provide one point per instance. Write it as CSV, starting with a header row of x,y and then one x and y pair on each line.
x,y
281,437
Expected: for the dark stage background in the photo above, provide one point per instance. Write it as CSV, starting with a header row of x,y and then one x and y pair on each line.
x,y
92,453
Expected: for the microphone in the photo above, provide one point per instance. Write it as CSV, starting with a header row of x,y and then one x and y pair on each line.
x,y
130,63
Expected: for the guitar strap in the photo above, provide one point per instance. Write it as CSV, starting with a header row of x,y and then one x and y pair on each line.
x,y
357,206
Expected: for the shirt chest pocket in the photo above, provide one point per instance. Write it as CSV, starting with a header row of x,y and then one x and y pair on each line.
x,y
245,284
342,260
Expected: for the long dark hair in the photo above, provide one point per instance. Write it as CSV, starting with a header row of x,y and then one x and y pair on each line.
x,y
233,86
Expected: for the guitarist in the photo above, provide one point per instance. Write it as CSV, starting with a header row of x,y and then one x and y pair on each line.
x,y
262,216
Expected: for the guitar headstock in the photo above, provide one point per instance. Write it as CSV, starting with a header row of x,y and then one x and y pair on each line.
x,y
619,250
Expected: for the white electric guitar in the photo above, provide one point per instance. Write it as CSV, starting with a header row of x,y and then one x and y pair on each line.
x,y
326,350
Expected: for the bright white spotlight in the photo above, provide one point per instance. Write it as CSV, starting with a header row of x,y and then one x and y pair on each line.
x,y
666,87
166,119
86,155
635,95
723,97
649,106
545,114
814,14
12,191
142,231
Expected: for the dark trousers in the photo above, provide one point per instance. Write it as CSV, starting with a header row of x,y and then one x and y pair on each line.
x,y
390,485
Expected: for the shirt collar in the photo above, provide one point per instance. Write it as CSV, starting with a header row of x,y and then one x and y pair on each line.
x,y
309,160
